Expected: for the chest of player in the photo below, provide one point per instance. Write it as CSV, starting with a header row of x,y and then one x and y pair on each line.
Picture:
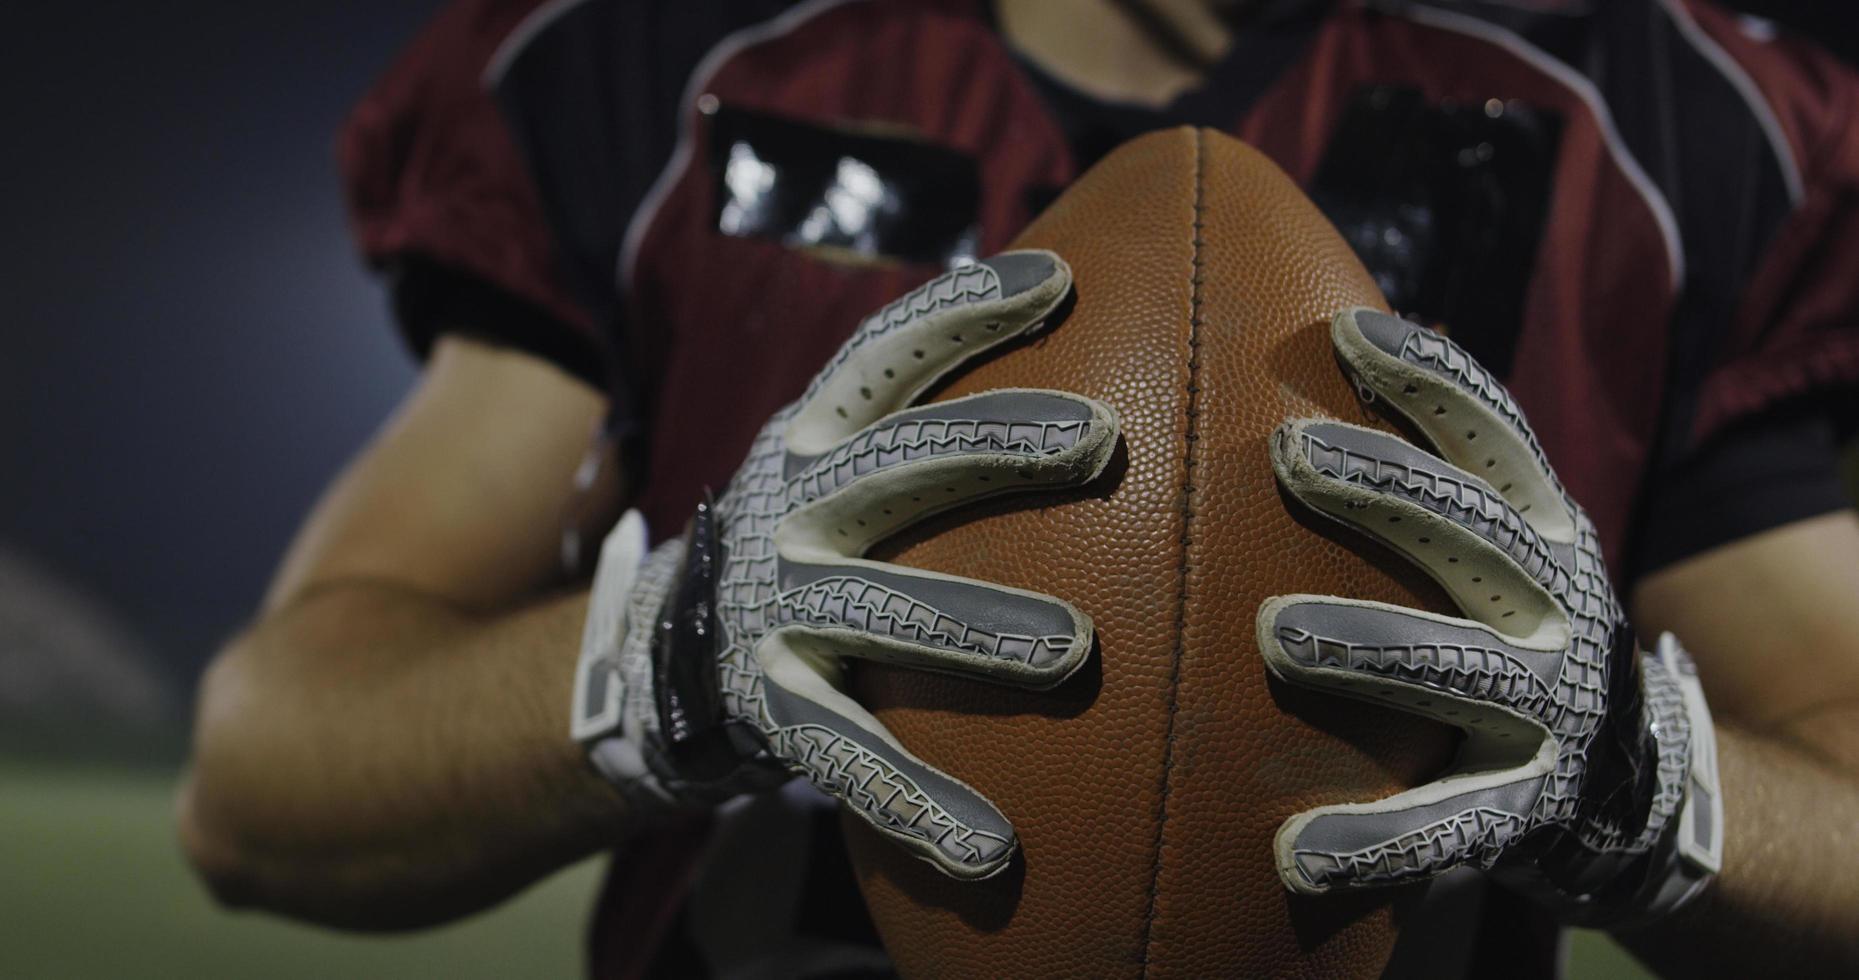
x,y
823,170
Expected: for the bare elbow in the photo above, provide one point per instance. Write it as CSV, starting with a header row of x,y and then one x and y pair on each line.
x,y
206,804
239,877
255,819
213,853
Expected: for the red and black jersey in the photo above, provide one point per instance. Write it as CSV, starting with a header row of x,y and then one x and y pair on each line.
x,y
1642,214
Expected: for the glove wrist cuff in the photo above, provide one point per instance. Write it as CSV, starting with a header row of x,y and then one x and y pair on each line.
x,y
1691,851
612,713
628,688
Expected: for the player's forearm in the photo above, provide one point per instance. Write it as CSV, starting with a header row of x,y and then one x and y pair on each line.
x,y
372,758
1783,904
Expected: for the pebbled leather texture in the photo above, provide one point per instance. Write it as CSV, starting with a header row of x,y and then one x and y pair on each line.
x,y
1146,790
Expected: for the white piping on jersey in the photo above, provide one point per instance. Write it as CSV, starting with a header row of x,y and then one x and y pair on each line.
x,y
786,22
519,38
1746,87
713,60
1583,89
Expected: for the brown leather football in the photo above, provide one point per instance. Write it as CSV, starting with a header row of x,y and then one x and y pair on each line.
x,y
1146,790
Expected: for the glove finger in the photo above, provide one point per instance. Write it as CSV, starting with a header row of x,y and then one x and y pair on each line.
x,y
928,459
937,622
1463,820
1469,417
1452,524
1452,670
902,349
824,735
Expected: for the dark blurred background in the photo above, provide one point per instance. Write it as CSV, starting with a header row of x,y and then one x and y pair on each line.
x,y
192,345
192,349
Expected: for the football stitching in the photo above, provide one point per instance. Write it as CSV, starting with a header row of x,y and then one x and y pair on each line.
x,y
1190,460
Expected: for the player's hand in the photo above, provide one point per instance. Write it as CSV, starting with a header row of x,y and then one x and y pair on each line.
x,y
713,668
1587,775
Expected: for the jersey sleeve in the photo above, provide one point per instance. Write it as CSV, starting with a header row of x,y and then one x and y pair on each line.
x,y
1782,389
1795,334
440,200
1776,468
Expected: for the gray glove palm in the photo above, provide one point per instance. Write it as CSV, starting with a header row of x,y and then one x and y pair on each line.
x,y
714,668
1588,774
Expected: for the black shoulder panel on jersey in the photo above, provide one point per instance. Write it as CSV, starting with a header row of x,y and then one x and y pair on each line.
x,y
593,91
1703,134
1728,178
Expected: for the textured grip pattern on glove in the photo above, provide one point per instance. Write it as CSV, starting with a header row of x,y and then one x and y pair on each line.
x,y
841,767
1578,745
825,478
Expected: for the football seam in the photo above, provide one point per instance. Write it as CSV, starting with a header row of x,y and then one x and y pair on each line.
x,y
1190,459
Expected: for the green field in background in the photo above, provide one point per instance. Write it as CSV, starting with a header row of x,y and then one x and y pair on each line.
x,y
93,886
